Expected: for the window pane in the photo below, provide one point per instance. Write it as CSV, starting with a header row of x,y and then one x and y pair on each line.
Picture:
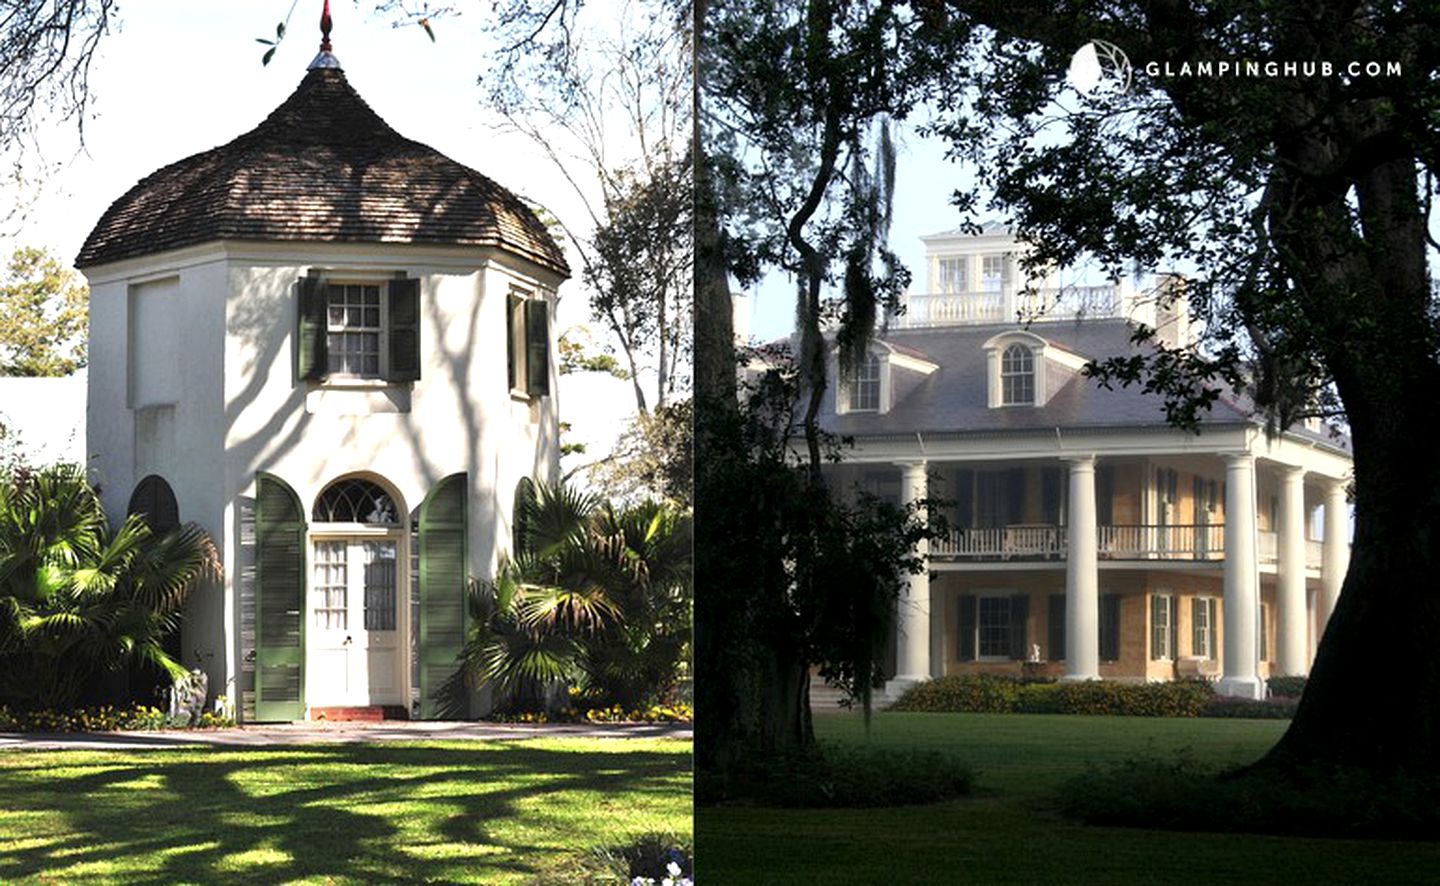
x,y
372,317
379,586
994,626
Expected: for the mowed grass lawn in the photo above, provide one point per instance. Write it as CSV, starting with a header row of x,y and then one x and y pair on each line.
x,y
1009,831
453,812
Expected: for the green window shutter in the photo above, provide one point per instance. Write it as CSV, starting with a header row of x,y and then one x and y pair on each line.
x,y
964,498
967,627
154,500
311,356
404,330
1104,495
443,576
537,347
1019,638
1013,502
1050,504
1109,627
280,601
1158,614
1057,628
1174,641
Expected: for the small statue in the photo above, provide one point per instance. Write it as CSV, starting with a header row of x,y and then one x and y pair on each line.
x,y
1035,652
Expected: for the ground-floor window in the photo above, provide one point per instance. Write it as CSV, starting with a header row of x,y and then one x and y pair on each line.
x,y
993,627
1162,627
993,623
1202,621
1264,632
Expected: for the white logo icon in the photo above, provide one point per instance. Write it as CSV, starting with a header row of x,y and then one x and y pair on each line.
x,y
1096,61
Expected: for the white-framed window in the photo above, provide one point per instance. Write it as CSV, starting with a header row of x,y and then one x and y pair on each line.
x,y
1162,627
1017,376
355,330
864,386
992,272
1202,627
992,627
952,274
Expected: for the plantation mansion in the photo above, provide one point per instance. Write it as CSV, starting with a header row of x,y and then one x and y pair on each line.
x,y
1088,539
328,345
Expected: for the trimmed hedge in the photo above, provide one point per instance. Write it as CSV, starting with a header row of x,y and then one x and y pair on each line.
x,y
1285,687
839,775
994,694
1279,708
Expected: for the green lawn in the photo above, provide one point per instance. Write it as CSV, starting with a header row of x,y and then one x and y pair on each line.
x,y
491,812
1009,832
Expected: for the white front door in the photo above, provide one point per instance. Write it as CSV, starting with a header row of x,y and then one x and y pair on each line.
x,y
354,648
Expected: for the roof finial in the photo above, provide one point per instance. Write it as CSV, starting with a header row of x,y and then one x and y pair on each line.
x,y
325,28
325,59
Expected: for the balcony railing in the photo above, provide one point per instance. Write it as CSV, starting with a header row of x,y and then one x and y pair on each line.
x,y
1044,541
998,306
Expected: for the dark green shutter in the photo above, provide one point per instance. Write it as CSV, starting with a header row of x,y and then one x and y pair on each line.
x,y
1013,504
964,498
1019,638
311,357
967,627
1158,647
1057,628
280,601
443,575
404,330
537,347
1109,627
1174,650
1050,496
1104,495
154,500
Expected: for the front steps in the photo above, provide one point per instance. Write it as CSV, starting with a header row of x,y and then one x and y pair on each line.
x,y
361,714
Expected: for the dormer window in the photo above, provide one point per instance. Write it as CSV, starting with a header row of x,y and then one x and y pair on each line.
x,y
1017,376
1018,365
864,386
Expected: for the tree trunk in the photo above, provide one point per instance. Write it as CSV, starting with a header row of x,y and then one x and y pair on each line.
x,y
1373,698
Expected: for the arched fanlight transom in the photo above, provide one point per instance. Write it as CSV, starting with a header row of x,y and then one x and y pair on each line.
x,y
354,500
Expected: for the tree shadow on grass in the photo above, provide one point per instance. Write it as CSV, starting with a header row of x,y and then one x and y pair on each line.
x,y
482,812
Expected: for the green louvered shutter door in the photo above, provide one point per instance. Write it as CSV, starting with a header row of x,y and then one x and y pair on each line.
x,y
311,353
443,576
280,601
404,330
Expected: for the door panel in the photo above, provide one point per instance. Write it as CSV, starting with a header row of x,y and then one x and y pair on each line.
x,y
354,622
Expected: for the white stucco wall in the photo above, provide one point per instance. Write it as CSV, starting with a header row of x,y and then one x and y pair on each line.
x,y
238,408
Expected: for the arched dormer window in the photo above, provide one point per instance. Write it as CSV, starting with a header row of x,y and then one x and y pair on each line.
x,y
1017,376
1017,363
356,500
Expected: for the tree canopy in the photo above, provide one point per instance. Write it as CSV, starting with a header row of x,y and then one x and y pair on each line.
x,y
43,316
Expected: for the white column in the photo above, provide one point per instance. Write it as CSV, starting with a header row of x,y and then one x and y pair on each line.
x,y
1082,576
912,660
1292,640
1336,558
1242,580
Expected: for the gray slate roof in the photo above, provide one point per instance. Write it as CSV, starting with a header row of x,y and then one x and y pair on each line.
x,y
953,398
323,167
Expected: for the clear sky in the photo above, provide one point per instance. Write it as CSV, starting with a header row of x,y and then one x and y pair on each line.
x,y
183,76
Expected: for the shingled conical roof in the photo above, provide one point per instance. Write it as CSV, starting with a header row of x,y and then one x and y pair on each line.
x,y
322,168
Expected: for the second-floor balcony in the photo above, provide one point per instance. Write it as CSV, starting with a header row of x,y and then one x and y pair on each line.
x,y
1010,305
1041,541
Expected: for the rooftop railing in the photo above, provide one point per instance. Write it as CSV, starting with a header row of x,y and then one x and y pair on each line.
x,y
974,308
